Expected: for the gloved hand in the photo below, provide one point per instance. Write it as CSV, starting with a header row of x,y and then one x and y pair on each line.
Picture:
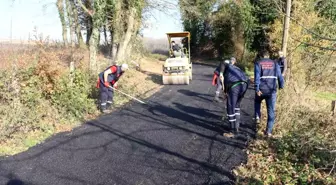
x,y
214,80
107,84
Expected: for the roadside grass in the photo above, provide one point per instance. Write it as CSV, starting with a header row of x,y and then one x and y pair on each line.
x,y
249,72
325,95
158,56
37,99
302,150
211,62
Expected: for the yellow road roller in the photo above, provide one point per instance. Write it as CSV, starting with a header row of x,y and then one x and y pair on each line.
x,y
177,69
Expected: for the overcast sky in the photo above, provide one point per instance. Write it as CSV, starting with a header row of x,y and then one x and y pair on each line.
x,y
24,15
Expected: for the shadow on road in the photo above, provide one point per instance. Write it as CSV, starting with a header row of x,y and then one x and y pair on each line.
x,y
132,139
16,182
205,97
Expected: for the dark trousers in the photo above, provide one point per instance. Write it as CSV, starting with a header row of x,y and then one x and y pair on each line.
x,y
270,103
106,96
235,96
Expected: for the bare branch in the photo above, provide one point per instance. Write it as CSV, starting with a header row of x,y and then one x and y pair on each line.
x,y
307,29
84,8
313,45
332,169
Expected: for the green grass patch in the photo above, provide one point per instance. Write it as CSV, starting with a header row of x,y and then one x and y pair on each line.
x,y
326,95
157,56
249,72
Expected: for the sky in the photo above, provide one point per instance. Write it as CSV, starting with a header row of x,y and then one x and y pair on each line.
x,y
21,17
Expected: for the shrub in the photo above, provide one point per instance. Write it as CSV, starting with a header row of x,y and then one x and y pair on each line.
x,y
73,98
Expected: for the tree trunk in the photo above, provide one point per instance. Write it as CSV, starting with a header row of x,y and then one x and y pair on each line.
x,y
70,22
98,40
127,37
116,30
286,27
60,7
93,49
333,107
76,24
88,30
89,22
105,35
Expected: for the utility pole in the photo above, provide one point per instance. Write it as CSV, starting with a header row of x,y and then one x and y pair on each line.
x,y
11,30
286,27
285,38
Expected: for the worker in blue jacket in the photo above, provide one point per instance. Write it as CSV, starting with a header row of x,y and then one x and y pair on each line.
x,y
266,74
282,63
235,87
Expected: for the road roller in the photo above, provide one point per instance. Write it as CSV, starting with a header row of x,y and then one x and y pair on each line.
x,y
177,69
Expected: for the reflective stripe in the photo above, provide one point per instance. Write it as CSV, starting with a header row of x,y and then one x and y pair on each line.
x,y
103,104
232,120
109,102
237,113
237,108
269,77
231,115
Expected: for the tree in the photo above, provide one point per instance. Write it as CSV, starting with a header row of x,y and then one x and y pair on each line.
x,y
70,17
76,23
60,7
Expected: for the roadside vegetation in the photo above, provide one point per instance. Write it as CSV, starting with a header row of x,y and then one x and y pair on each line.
x,y
42,96
47,87
303,150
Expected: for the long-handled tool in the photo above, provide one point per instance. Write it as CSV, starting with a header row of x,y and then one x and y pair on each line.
x,y
127,95
225,96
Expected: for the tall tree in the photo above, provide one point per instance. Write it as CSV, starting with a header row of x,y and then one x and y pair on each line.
x,y
116,28
128,34
70,22
76,23
98,17
60,7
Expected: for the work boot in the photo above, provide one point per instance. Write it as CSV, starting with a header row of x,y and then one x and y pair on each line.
x,y
217,98
109,106
103,109
229,135
236,131
268,135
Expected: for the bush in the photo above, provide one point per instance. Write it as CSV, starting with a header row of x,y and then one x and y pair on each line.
x,y
73,99
16,108
302,155
38,97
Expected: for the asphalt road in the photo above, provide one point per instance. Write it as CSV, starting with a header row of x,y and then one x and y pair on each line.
x,y
176,139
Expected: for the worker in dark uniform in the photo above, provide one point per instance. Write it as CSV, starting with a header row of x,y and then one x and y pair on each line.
x,y
282,63
107,79
216,80
235,87
266,74
176,49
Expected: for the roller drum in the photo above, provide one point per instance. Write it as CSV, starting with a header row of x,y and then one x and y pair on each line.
x,y
175,80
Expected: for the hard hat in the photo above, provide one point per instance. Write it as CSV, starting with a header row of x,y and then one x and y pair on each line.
x,y
124,67
227,61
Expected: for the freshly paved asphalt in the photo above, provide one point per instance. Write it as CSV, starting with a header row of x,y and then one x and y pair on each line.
x,y
176,139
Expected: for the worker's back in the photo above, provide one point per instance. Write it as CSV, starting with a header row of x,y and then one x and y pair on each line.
x,y
266,72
